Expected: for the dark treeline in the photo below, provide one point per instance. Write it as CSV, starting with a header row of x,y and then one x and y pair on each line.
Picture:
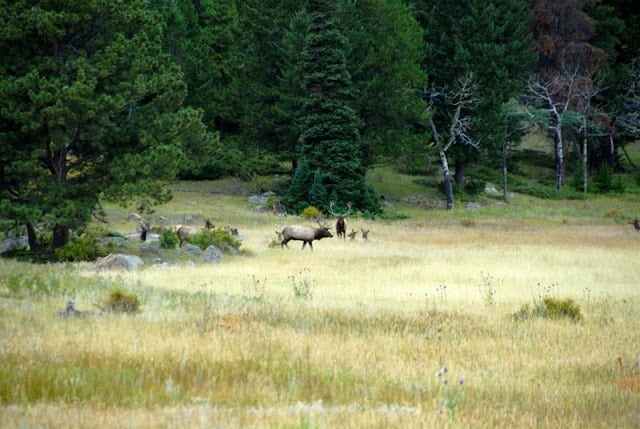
x,y
105,100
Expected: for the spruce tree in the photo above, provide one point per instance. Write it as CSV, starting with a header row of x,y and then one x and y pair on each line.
x,y
329,143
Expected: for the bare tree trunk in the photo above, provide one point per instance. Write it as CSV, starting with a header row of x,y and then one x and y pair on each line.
x,y
60,236
612,151
448,189
32,237
504,172
559,155
585,147
459,172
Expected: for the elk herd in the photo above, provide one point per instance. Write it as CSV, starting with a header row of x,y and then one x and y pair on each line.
x,y
306,234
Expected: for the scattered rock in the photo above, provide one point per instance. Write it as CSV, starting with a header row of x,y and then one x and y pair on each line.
x,y
119,261
192,248
18,243
70,311
212,255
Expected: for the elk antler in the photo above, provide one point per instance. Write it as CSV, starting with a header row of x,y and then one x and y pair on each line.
x,y
347,213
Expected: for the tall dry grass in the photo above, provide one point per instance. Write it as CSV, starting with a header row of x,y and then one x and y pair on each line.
x,y
353,334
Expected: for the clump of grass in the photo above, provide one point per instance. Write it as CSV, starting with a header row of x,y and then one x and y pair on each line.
x,y
302,288
550,308
451,392
467,222
120,301
630,375
487,290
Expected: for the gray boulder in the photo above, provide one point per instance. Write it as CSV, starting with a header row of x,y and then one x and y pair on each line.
x,y
119,261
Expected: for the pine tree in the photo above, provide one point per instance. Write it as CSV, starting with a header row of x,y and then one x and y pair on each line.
x,y
329,141
91,109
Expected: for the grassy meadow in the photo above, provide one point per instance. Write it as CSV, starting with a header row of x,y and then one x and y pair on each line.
x,y
413,327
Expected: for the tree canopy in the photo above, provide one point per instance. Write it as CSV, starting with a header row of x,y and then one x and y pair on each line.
x,y
92,108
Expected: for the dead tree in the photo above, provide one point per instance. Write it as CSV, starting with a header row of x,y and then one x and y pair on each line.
x,y
462,101
341,224
559,101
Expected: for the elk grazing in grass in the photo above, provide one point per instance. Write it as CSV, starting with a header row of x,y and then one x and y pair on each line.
x,y
306,234
341,224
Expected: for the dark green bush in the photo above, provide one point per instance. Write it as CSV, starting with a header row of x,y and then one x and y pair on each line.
x,y
218,237
168,239
86,248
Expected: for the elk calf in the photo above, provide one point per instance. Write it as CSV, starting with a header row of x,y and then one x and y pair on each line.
x,y
365,234
352,234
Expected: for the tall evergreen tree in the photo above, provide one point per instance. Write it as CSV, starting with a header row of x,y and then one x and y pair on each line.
x,y
488,41
91,108
329,143
385,61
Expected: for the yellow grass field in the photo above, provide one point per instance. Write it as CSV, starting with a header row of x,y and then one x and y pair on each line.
x,y
352,334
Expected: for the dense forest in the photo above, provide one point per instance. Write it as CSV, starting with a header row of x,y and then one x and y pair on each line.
x,y
106,100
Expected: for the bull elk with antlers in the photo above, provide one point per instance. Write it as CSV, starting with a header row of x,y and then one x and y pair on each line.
x,y
341,224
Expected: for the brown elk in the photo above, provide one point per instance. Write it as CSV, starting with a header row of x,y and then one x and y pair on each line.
x,y
183,231
352,234
341,225
636,224
365,234
306,234
146,228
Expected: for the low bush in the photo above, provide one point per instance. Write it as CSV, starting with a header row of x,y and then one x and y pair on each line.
x,y
120,301
220,238
86,248
168,239
311,213
550,308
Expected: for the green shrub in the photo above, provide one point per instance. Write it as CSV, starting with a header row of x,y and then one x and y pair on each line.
x,y
119,301
168,239
550,308
86,248
559,308
217,237
605,181
311,213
